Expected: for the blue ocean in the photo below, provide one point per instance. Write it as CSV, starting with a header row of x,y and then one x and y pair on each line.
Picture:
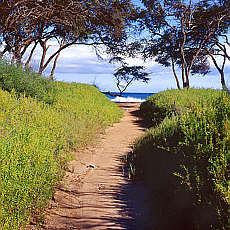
x,y
129,97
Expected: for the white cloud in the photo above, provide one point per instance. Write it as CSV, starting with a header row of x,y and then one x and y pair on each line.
x,y
80,63
220,59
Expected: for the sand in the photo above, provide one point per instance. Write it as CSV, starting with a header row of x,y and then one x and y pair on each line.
x,y
95,193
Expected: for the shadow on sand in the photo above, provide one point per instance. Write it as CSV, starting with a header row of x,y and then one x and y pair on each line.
x,y
131,199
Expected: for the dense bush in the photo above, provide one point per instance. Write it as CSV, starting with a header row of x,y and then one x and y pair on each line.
x,y
169,102
88,111
24,82
33,137
35,141
185,160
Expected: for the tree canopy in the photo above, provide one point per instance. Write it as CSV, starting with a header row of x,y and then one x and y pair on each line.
x,y
180,31
184,35
28,22
126,74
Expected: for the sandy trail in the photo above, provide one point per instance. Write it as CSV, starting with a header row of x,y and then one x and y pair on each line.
x,y
96,194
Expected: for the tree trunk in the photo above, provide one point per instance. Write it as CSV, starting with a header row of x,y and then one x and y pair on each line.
x,y
17,56
175,75
177,82
182,75
45,48
220,70
186,84
30,56
222,80
185,78
54,67
56,59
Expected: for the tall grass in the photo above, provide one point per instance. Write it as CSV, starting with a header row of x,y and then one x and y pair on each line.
x,y
184,159
32,140
86,108
36,138
169,102
24,82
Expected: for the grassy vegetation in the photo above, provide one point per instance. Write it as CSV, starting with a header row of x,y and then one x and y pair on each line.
x,y
169,102
184,158
87,110
36,138
24,82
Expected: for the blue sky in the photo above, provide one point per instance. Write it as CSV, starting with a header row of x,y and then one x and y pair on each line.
x,y
80,64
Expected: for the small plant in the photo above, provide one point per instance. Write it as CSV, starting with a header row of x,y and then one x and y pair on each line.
x,y
184,158
26,83
36,138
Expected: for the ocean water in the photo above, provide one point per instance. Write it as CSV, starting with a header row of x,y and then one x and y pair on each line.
x,y
129,97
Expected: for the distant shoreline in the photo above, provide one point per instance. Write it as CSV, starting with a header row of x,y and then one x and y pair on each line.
x,y
128,97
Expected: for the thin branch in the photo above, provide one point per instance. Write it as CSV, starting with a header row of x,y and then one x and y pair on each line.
x,y
31,54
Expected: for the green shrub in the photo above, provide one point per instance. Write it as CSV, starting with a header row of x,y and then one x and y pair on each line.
x,y
88,110
169,102
185,160
24,82
206,159
32,143
35,141
164,138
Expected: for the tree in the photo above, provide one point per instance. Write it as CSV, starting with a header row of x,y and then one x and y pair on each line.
x,y
219,50
179,34
30,22
216,47
19,29
125,75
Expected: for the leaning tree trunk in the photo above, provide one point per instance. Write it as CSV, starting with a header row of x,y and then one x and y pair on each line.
x,y
61,43
223,83
221,71
30,56
44,51
175,75
186,83
54,67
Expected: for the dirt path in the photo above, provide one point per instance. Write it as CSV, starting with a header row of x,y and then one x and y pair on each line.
x,y
96,194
